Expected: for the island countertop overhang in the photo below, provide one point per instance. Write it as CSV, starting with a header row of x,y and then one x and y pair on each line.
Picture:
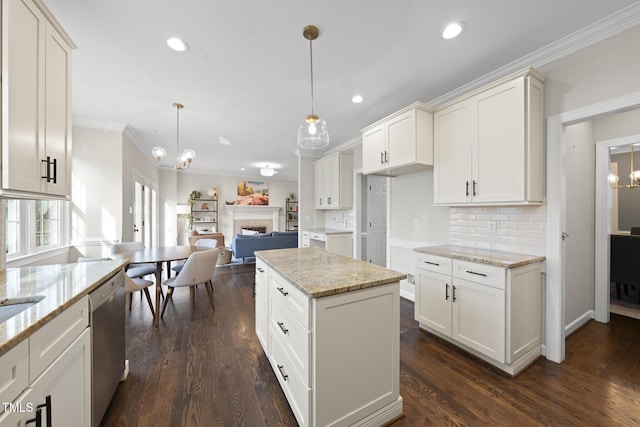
x,y
319,273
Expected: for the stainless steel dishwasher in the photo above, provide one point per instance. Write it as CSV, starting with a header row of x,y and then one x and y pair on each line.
x,y
107,343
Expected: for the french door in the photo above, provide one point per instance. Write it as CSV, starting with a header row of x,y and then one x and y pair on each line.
x,y
145,211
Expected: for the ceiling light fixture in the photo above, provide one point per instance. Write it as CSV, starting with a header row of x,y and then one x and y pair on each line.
x,y
452,30
312,132
357,99
177,44
184,159
267,171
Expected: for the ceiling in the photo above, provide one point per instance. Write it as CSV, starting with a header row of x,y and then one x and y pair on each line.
x,y
246,78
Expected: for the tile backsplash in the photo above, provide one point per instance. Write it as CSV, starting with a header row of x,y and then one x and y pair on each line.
x,y
520,229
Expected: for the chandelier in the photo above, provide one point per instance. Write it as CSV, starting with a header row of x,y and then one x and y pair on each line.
x,y
312,132
634,177
183,161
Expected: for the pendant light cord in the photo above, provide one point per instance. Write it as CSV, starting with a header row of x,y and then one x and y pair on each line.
x,y
177,131
311,62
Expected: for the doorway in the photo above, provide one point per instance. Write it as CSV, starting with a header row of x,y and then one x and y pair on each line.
x,y
145,211
556,221
376,220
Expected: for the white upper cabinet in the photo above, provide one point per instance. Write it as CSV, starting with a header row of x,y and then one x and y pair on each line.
x,y
333,176
488,146
36,102
400,143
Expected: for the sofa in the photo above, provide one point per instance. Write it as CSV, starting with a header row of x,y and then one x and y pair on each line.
x,y
244,246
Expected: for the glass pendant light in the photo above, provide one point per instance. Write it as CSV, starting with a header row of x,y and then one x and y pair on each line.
x,y
312,132
183,160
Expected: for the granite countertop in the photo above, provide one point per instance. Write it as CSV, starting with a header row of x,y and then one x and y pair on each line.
x,y
61,285
328,231
319,273
482,256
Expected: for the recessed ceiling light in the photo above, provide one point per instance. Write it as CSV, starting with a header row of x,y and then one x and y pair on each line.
x,y
242,169
357,99
453,30
224,141
177,44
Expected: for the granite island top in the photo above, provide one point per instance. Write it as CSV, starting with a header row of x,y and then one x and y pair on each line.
x,y
482,256
319,273
61,285
327,231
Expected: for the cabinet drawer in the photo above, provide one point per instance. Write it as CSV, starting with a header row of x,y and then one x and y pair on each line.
x,y
434,263
291,298
262,271
52,339
14,372
294,338
318,236
480,273
297,392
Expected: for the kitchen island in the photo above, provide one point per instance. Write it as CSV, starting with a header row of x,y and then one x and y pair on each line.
x,y
330,327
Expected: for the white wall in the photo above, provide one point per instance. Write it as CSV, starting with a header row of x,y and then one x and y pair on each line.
x,y
97,177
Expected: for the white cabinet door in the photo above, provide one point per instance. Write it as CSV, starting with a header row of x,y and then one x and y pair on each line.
x,y
58,112
332,181
479,318
433,300
319,184
23,29
401,140
373,148
453,142
498,168
68,382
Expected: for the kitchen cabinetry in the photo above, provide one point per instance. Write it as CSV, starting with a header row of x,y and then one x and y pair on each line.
x,y
204,215
333,177
332,370
491,311
400,143
488,145
339,242
59,374
36,98
292,215
262,303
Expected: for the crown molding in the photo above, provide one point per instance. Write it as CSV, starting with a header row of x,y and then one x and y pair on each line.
x,y
603,29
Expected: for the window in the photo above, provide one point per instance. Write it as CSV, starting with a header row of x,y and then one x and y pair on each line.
x,y
33,226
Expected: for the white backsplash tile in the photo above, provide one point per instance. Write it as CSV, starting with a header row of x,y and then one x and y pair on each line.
x,y
520,229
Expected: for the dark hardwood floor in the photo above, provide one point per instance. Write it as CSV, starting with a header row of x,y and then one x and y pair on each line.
x,y
213,372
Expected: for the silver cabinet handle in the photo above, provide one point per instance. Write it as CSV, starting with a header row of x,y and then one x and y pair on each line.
x,y
446,291
282,328
431,263
260,269
477,274
281,369
282,291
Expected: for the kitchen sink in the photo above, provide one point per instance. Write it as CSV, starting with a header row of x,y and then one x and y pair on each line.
x,y
11,306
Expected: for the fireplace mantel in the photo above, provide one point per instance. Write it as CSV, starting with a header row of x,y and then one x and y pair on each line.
x,y
251,210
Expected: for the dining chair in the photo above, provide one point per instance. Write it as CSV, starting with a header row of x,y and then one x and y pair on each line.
x,y
131,285
198,269
133,270
202,243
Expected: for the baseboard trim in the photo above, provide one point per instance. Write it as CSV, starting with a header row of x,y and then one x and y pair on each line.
x,y
579,322
384,415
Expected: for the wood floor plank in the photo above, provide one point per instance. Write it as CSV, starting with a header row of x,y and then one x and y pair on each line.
x,y
213,372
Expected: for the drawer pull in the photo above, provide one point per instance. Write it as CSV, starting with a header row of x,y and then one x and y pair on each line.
x,y
260,269
281,369
477,274
432,263
282,328
283,292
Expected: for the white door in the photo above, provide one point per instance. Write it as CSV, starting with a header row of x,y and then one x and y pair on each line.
x,y
377,220
433,300
145,212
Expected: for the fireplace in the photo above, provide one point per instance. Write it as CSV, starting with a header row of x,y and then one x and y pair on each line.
x,y
236,218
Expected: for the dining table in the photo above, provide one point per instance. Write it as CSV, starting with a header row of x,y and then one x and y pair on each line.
x,y
158,256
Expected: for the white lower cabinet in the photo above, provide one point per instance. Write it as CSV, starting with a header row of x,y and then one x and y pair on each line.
x,y
60,391
493,312
333,370
262,302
